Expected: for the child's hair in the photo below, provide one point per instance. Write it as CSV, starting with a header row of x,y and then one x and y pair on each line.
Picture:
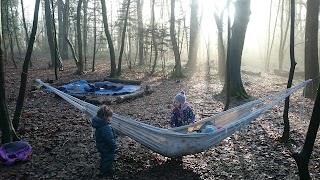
x,y
104,112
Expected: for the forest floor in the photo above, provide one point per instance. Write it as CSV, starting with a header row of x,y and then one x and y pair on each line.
x,y
63,148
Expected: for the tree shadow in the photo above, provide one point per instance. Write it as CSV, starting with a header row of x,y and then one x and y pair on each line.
x,y
170,169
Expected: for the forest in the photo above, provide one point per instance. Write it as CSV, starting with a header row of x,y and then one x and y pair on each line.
x,y
222,54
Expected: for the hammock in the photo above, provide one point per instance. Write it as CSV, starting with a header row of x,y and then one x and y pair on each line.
x,y
180,141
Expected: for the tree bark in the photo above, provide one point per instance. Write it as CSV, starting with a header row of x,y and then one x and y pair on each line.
x,y
85,31
25,68
177,71
154,39
221,48
94,35
286,131
140,32
194,36
283,34
24,24
302,158
241,19
73,53
123,37
311,48
113,72
80,67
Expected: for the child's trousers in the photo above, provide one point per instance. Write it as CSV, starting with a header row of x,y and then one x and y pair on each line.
x,y
106,163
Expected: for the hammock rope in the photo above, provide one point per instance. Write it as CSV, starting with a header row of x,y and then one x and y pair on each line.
x,y
180,141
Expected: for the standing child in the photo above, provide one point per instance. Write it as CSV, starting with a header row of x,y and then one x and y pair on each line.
x,y
105,139
182,113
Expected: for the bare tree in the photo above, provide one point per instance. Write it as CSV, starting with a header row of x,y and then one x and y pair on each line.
x,y
177,71
311,47
241,19
113,72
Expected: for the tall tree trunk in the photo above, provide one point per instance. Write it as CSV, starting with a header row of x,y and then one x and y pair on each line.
x,y
270,46
154,39
221,48
80,68
177,71
61,34
311,47
65,30
94,35
227,64
123,37
303,157
54,51
241,19
194,36
286,131
85,31
25,68
140,32
283,33
24,24
113,72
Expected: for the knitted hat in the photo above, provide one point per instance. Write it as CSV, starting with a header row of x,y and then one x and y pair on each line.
x,y
180,97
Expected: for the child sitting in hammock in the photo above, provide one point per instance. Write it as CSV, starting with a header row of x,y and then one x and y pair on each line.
x,y
182,113
105,139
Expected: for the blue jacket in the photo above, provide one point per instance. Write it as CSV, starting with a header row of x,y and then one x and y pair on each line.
x,y
105,136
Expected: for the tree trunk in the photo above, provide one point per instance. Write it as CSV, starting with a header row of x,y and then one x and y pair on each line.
x,y
302,158
221,48
24,24
65,28
25,68
241,19
177,71
311,48
154,39
113,72
194,36
73,53
140,32
283,34
85,31
227,64
270,44
286,131
123,37
94,35
54,51
80,67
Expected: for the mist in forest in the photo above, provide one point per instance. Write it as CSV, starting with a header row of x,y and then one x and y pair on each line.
x,y
263,33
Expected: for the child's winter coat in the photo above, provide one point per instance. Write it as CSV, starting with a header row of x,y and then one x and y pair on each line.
x,y
183,116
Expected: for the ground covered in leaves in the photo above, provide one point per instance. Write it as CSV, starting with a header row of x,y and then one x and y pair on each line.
x,y
63,147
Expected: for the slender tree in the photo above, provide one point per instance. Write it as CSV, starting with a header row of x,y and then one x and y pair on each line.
x,y
154,39
25,68
140,32
7,129
123,37
177,71
194,35
80,67
286,131
113,72
94,34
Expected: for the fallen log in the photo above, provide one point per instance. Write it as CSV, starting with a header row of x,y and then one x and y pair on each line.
x,y
123,81
251,73
148,90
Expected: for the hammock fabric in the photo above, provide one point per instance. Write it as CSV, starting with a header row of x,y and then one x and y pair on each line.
x,y
180,141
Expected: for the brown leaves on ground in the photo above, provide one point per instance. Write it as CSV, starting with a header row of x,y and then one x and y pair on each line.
x,y
63,147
